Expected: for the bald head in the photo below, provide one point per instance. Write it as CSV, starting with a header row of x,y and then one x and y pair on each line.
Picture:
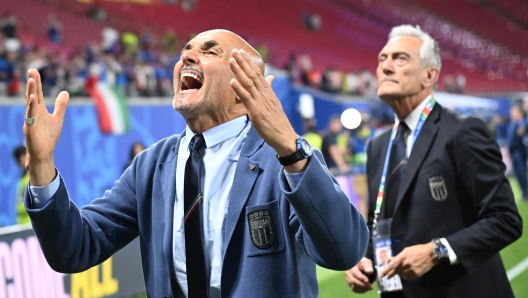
x,y
229,41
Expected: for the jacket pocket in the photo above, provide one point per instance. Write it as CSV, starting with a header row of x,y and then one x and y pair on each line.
x,y
264,234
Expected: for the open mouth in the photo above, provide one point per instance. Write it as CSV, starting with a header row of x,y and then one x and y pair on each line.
x,y
191,78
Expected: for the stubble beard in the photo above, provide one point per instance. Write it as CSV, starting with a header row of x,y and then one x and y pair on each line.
x,y
207,105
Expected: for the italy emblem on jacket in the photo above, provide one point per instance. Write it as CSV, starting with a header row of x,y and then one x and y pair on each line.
x,y
261,228
438,188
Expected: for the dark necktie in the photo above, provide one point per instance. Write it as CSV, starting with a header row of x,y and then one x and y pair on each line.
x,y
194,250
397,164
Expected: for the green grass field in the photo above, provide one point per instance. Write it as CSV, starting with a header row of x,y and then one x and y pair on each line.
x,y
332,283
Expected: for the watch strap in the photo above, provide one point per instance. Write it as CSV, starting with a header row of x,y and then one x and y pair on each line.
x,y
296,156
292,158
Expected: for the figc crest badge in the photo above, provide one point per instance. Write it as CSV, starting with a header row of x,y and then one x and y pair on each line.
x,y
261,228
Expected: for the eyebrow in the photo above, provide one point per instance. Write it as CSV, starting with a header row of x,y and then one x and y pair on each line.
x,y
210,44
394,54
206,45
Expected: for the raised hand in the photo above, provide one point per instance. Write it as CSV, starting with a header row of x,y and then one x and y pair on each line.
x,y
263,107
41,130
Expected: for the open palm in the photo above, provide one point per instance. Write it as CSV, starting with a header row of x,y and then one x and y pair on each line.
x,y
44,133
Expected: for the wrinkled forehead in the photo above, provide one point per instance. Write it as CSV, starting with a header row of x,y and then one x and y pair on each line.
x,y
406,44
224,38
227,41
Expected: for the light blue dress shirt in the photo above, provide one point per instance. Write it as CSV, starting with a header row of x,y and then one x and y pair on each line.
x,y
224,144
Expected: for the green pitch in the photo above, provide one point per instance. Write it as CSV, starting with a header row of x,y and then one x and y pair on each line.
x,y
332,283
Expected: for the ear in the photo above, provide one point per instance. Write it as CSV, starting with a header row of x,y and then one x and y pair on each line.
x,y
430,76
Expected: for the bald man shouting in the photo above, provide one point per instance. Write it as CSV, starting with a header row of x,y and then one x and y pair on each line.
x,y
237,205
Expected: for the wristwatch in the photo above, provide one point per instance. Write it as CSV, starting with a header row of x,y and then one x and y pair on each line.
x,y
303,151
440,251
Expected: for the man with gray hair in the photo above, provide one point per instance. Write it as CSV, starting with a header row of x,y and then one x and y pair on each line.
x,y
439,200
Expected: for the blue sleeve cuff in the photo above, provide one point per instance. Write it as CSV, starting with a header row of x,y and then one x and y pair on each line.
x,y
293,178
40,195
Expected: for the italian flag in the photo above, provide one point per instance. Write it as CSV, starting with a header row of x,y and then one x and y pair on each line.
x,y
112,109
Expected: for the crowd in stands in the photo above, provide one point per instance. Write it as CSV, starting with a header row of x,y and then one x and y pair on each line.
x,y
141,65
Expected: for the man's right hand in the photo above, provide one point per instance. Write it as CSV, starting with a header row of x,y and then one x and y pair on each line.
x,y
44,133
356,277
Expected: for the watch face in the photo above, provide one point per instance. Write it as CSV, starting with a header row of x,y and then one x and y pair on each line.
x,y
306,148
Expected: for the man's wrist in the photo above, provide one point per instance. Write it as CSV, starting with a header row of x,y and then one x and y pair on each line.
x,y
297,160
440,252
42,173
287,147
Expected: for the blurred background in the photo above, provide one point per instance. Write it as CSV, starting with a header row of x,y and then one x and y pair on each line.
x,y
116,59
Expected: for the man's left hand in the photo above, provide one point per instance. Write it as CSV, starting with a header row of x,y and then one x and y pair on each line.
x,y
413,262
263,107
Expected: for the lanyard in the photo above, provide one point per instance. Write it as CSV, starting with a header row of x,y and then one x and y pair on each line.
x,y
381,193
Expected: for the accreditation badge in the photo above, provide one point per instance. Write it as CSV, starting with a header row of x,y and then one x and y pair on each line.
x,y
382,252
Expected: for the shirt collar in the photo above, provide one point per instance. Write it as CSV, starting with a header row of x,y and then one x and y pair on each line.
x,y
220,133
412,119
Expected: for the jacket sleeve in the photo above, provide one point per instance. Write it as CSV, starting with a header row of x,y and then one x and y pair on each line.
x,y
331,230
481,171
73,239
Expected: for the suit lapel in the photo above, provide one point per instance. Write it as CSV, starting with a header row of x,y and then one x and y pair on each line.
x,y
419,151
167,171
246,173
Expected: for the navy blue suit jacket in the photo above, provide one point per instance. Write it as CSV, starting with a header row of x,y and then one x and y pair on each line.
x,y
314,223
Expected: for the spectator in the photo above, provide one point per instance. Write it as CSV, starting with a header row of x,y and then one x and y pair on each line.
x,y
524,103
19,153
498,125
310,135
449,84
170,41
310,20
8,25
460,83
332,81
368,84
97,14
54,28
188,5
135,149
130,41
517,149
145,76
309,75
334,155
110,38
350,83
